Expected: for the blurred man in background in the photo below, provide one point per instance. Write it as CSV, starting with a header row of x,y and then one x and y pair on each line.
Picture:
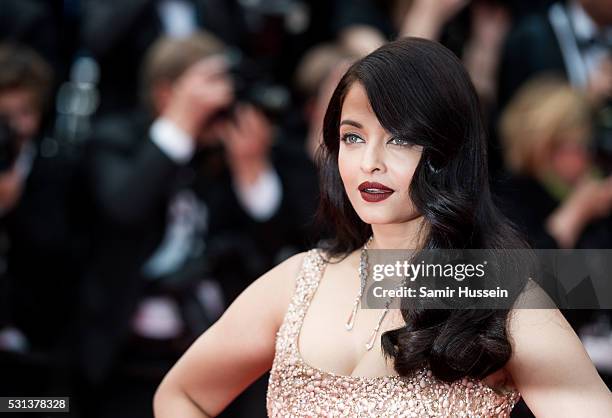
x,y
39,263
262,30
191,198
573,39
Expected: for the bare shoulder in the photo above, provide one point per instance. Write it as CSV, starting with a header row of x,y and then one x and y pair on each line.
x,y
278,285
537,322
550,366
536,314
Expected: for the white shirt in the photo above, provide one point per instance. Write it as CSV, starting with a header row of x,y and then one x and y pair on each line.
x,y
571,26
178,18
260,200
159,317
585,28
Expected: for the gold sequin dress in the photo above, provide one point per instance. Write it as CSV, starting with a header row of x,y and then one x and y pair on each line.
x,y
296,389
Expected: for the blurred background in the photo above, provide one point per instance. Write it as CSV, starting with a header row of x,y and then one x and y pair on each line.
x,y
156,156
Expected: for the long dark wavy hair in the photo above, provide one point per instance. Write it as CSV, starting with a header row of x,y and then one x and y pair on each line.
x,y
420,91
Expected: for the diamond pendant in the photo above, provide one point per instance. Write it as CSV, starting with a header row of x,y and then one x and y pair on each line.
x,y
351,319
370,342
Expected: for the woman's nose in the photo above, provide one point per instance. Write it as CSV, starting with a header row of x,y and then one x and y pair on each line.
x,y
372,159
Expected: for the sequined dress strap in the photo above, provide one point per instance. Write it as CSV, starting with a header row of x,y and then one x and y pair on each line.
x,y
305,287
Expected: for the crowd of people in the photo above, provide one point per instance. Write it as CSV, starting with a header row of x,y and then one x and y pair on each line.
x,y
157,156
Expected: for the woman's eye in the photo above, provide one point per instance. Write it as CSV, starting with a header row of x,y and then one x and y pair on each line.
x,y
351,138
400,141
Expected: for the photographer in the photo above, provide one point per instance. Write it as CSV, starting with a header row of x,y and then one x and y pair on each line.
x,y
189,201
39,267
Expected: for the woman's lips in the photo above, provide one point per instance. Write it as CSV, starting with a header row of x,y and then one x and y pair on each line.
x,y
374,192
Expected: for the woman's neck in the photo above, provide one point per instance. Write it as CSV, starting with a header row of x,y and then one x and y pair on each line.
x,y
407,235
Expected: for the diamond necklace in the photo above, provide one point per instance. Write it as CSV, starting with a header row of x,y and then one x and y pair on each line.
x,y
363,271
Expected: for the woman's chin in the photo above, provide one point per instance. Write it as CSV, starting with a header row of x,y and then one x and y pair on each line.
x,y
375,219
371,217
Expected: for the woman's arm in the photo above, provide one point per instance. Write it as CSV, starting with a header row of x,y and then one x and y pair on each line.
x,y
551,368
233,352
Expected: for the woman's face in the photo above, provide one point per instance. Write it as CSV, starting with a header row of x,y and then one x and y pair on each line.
x,y
368,153
570,161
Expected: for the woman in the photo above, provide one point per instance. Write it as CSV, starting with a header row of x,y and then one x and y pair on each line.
x,y
554,192
405,117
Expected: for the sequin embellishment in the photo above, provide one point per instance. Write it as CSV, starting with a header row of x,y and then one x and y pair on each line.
x,y
296,389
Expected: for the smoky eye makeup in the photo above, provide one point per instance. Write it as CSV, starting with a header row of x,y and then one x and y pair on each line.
x,y
402,142
350,138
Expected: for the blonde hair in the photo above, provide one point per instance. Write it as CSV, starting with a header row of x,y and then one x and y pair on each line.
x,y
316,65
168,58
545,112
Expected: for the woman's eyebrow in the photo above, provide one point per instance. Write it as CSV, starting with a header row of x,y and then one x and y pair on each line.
x,y
352,123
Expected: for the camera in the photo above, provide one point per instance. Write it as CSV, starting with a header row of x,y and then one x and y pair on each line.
x,y
252,85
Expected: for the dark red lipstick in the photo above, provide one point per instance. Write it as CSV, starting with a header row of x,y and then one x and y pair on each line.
x,y
374,192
